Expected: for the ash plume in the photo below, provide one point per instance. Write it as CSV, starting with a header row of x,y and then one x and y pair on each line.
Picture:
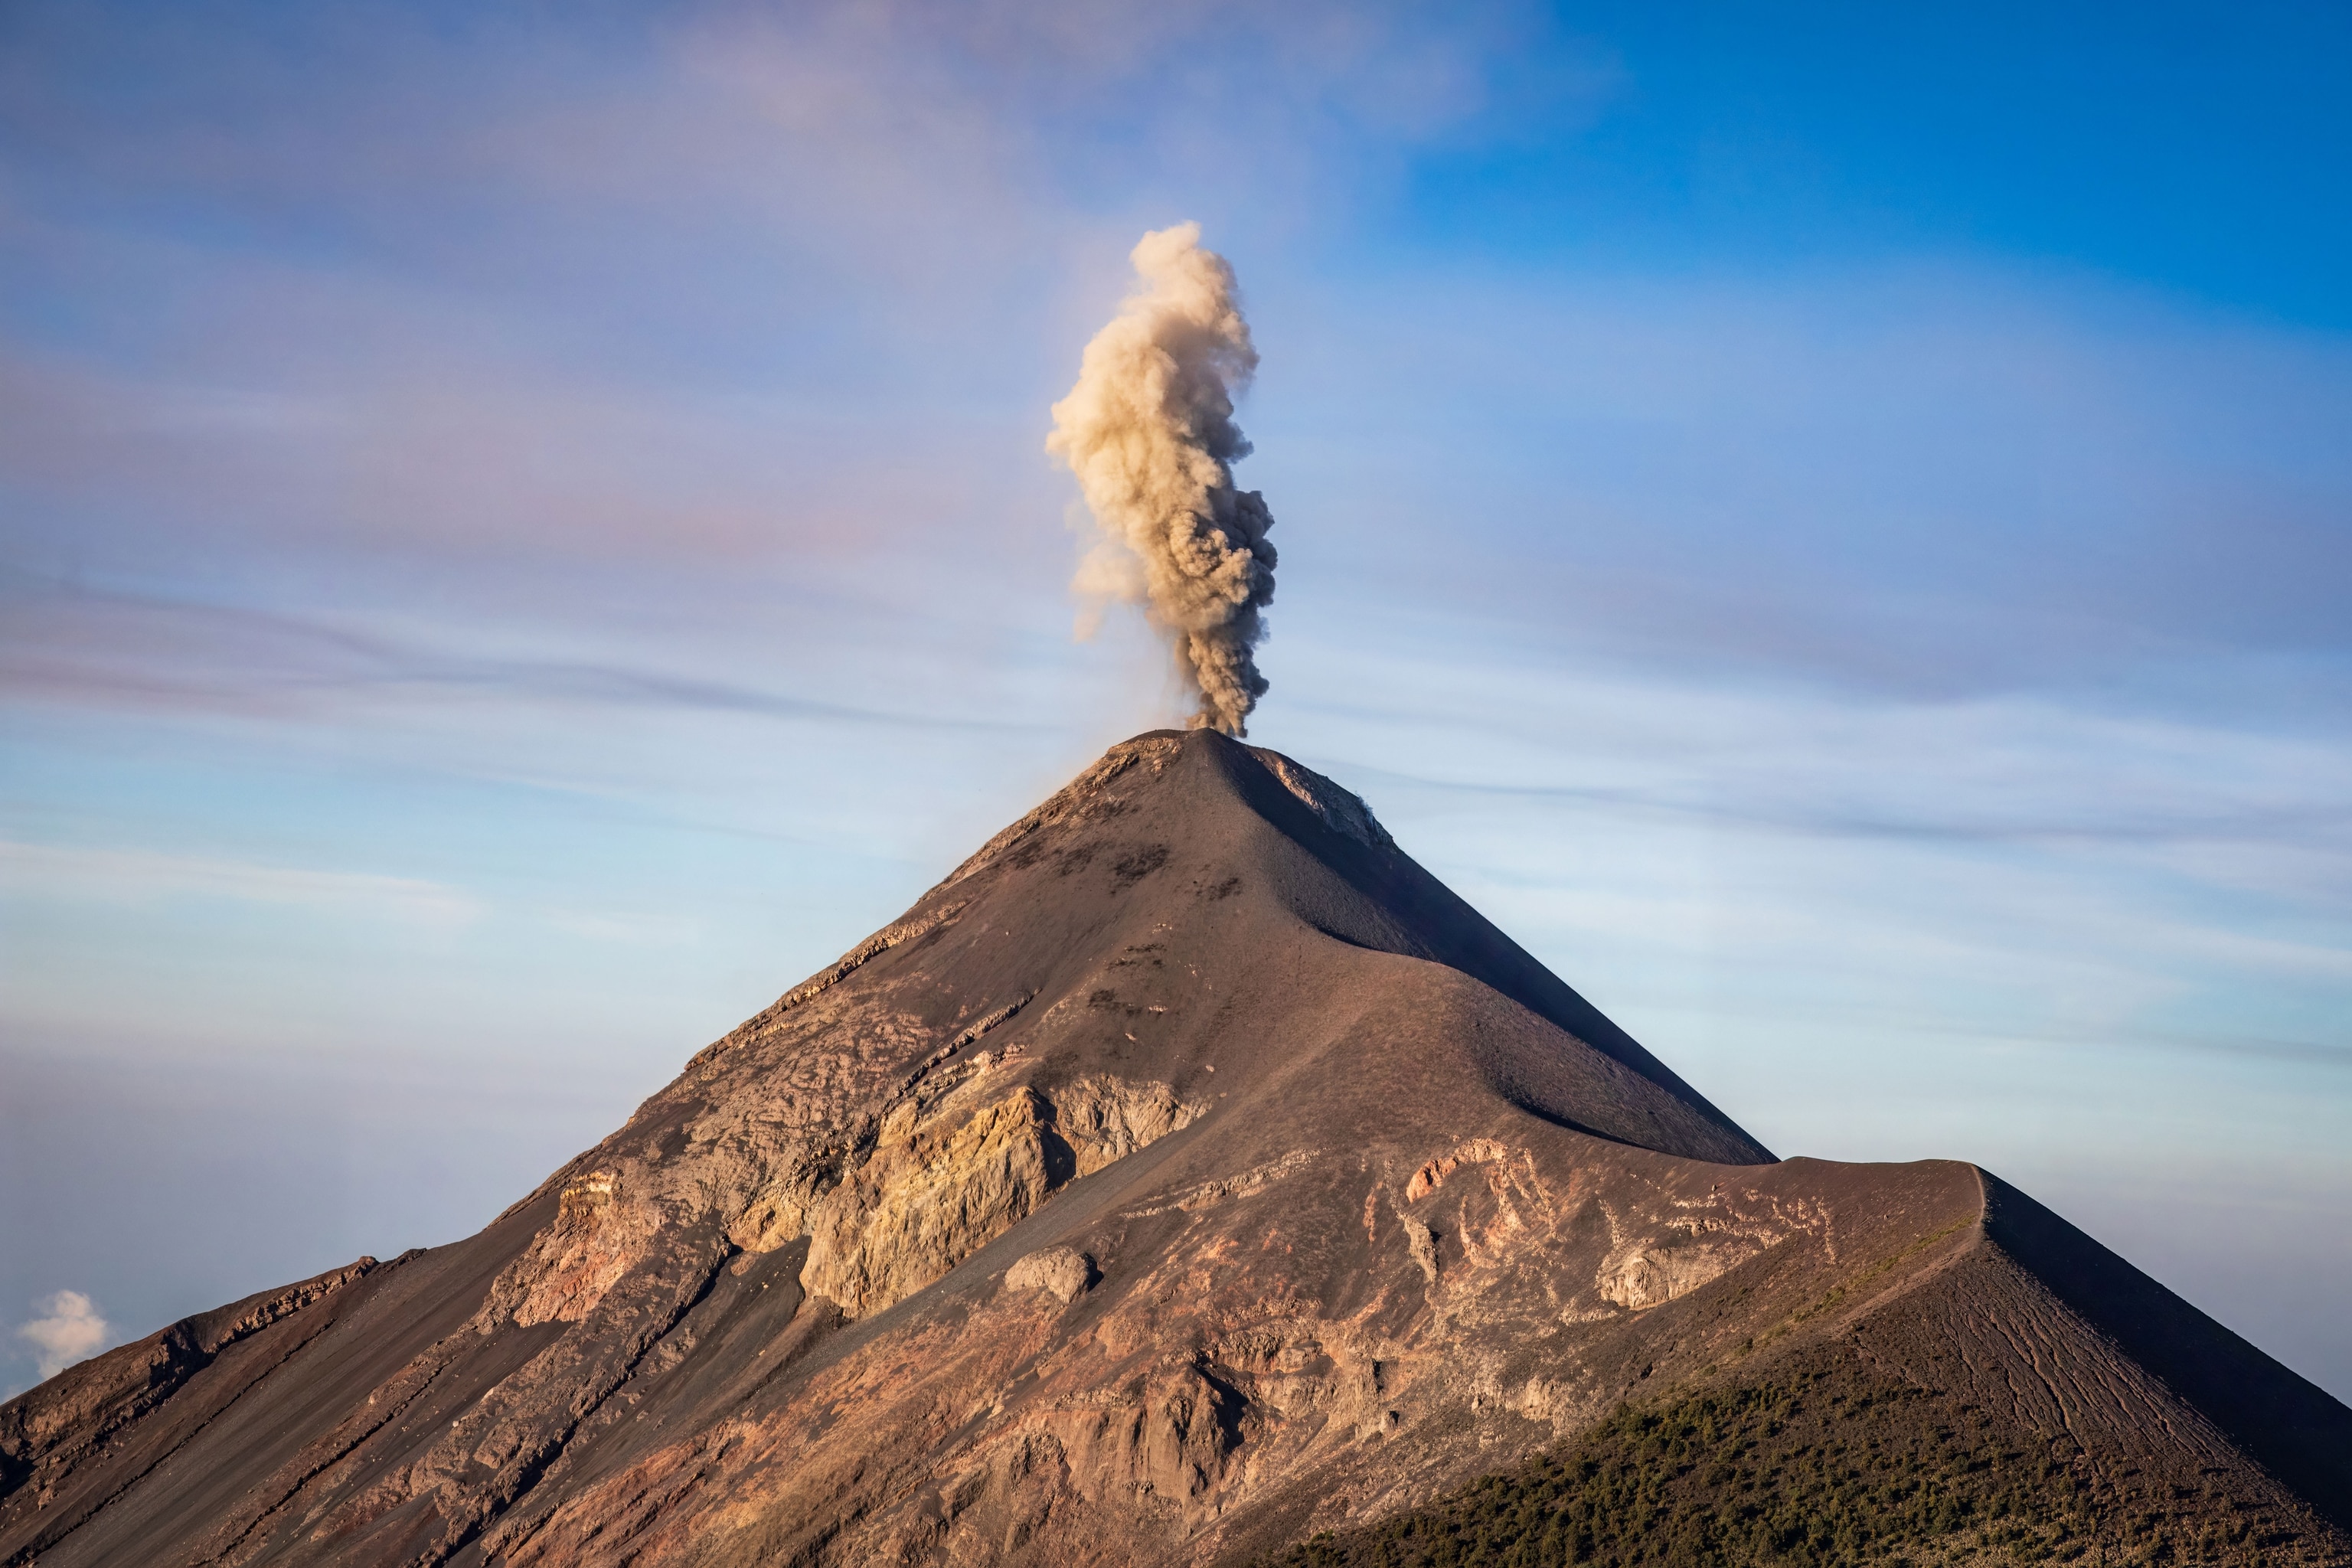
x,y
1148,431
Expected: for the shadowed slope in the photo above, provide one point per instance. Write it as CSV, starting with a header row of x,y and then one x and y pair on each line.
x,y
1188,1170
2295,1429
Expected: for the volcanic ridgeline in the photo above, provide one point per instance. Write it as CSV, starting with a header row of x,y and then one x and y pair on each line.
x,y
1190,1177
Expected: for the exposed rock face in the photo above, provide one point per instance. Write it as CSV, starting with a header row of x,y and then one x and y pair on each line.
x,y
1064,1271
1188,1173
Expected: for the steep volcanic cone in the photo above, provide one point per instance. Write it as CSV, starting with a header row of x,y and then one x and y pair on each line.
x,y
1188,1173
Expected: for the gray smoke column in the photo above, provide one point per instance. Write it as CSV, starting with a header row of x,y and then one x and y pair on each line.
x,y
1149,432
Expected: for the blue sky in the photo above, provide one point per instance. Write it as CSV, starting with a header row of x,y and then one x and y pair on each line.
x,y
524,530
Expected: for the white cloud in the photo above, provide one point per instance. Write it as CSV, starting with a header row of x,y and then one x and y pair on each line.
x,y
70,1330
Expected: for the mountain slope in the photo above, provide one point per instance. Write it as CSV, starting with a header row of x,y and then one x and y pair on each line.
x,y
1188,1173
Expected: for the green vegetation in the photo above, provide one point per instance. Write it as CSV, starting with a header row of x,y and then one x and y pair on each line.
x,y
1820,1467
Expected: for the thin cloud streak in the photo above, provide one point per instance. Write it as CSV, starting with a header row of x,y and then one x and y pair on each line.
x,y
74,873
122,651
2211,825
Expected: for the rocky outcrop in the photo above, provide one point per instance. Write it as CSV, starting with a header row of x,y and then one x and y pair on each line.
x,y
929,1195
934,1189
1340,810
1064,1272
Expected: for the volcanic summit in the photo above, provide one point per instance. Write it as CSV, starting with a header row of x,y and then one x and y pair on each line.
x,y
1190,1177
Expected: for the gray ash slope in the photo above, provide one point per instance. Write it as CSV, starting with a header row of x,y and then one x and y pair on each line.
x,y
1189,1173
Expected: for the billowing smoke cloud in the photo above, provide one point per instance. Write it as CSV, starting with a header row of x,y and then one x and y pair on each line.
x,y
72,1331
1149,432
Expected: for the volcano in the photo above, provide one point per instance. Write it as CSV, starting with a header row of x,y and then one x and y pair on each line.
x,y
1190,1177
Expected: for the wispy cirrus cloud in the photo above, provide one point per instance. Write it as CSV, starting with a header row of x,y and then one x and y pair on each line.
x,y
72,872
73,647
